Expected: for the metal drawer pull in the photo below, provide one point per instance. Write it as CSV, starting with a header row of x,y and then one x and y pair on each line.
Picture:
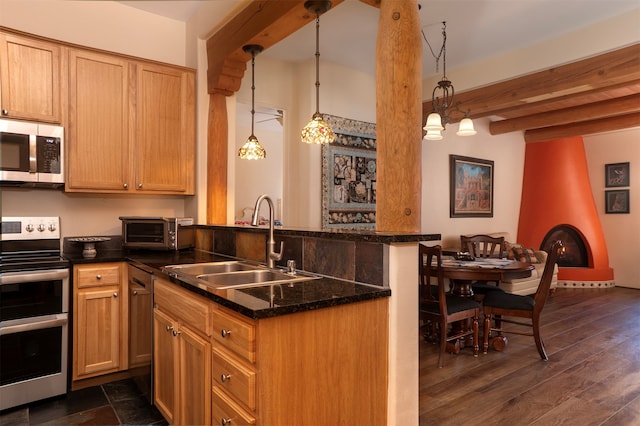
x,y
176,332
225,422
225,377
169,327
98,277
224,333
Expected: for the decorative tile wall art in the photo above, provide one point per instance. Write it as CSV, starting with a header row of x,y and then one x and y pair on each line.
x,y
349,171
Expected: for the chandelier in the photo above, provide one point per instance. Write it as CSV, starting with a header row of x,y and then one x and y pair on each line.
x,y
442,100
317,130
252,150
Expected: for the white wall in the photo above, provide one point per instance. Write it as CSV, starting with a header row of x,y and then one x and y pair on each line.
x,y
344,93
621,231
507,153
107,25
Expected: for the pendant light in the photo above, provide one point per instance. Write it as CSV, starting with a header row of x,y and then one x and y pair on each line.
x,y
442,100
317,130
252,150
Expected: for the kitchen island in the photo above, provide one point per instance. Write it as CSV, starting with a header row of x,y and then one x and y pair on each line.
x,y
317,352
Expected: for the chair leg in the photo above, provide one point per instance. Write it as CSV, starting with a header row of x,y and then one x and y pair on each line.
x,y
476,347
538,339
443,343
487,329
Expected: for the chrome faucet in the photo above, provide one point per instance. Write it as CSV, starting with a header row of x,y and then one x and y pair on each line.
x,y
272,256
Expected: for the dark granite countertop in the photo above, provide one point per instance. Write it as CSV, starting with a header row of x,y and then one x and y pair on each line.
x,y
257,302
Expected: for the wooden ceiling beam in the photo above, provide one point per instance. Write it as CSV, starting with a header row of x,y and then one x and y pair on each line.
x,y
583,128
566,101
374,3
262,22
609,69
575,114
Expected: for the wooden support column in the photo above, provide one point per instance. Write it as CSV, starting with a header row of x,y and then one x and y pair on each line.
x,y
217,134
398,117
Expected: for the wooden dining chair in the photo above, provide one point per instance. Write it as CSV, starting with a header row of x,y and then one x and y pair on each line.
x,y
497,305
483,246
438,308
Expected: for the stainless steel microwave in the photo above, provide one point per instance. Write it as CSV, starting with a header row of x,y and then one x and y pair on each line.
x,y
31,154
157,233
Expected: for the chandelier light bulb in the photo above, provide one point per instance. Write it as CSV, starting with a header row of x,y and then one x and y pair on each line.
x,y
317,131
433,135
466,128
252,150
434,122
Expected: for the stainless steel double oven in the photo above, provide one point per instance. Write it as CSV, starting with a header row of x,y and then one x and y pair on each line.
x,y
34,309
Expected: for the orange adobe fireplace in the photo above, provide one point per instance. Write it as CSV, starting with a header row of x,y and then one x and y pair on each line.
x,y
557,203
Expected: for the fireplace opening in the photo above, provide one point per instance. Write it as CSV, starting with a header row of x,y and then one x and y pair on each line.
x,y
574,252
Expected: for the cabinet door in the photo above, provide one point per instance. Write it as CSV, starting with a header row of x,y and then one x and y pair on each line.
x,y
98,133
96,331
165,365
140,328
195,378
165,130
30,78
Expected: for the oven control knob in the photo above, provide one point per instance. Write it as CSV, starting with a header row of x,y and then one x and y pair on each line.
x,y
30,228
52,227
42,228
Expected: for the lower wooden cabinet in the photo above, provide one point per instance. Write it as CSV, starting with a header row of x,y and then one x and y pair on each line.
x,y
321,367
182,358
100,326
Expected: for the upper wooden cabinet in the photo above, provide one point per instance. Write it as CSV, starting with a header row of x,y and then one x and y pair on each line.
x,y
98,130
164,150
30,78
131,126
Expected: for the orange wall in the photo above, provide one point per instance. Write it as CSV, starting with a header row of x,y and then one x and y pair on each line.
x,y
556,191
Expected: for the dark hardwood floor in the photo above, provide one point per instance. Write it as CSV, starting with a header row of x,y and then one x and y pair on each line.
x,y
592,377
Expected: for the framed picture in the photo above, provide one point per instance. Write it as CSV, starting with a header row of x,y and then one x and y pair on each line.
x,y
349,175
616,201
616,174
471,191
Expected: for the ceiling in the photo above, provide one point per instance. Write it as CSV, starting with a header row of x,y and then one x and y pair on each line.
x,y
476,29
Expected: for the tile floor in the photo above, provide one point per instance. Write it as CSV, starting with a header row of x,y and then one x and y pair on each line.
x,y
117,403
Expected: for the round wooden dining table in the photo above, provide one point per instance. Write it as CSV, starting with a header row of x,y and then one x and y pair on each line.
x,y
462,276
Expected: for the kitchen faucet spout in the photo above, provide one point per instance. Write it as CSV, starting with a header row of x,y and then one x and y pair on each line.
x,y
272,255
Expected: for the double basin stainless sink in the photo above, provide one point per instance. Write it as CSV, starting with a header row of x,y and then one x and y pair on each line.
x,y
234,275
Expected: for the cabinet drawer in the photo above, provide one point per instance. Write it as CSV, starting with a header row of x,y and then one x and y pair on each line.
x,y
193,310
236,379
225,411
234,334
98,275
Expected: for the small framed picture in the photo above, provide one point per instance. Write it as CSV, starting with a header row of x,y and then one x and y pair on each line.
x,y
616,174
616,201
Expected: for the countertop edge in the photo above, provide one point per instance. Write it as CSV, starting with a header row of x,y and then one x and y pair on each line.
x,y
142,261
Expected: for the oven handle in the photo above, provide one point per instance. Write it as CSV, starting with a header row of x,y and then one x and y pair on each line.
x,y
29,324
27,276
